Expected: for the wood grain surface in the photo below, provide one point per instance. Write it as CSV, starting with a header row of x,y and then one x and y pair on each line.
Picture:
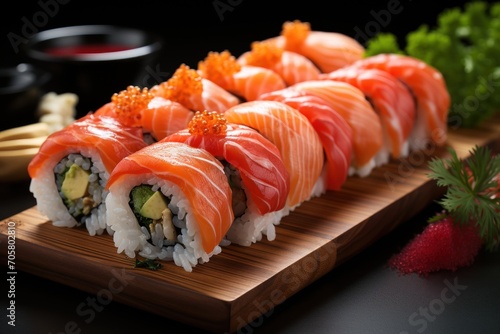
x,y
242,284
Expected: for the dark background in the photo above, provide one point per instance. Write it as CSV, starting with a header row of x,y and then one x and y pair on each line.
x,y
192,28
361,296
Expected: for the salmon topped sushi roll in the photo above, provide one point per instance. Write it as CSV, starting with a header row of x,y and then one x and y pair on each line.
x,y
428,88
256,173
291,66
163,117
366,126
329,51
333,130
390,98
294,136
70,171
189,88
245,81
169,201
155,115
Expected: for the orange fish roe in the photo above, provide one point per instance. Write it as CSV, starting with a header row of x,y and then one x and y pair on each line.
x,y
207,123
264,54
295,33
181,87
129,104
217,66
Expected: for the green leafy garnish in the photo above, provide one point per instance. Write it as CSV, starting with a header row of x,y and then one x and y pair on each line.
x,y
148,264
473,190
464,46
382,43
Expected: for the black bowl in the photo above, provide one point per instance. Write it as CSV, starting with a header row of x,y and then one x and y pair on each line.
x,y
95,61
21,88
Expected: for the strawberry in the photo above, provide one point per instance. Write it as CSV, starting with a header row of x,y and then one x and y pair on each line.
x,y
442,245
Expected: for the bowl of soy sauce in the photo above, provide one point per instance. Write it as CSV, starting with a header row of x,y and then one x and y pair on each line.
x,y
94,61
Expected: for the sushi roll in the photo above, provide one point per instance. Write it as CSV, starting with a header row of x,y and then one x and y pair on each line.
x,y
245,81
291,66
329,51
155,115
351,104
428,88
333,130
256,173
294,136
189,88
169,201
390,99
70,171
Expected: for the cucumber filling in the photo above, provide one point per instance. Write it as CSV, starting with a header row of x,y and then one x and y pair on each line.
x,y
155,215
78,185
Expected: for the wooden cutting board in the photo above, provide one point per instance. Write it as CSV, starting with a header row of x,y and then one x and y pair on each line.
x,y
240,286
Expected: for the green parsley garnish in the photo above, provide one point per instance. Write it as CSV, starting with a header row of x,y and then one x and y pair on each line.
x,y
148,264
473,190
464,46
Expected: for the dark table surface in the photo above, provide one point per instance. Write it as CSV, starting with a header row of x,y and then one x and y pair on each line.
x,y
362,295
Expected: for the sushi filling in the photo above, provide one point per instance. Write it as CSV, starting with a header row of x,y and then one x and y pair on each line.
x,y
239,198
156,215
79,185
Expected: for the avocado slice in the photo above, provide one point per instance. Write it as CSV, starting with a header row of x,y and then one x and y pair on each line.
x,y
154,206
76,182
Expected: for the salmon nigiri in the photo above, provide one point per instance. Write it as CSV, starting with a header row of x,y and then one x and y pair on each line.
x,y
155,115
169,201
366,127
245,81
329,51
429,90
194,92
296,139
333,130
291,66
257,175
389,97
72,166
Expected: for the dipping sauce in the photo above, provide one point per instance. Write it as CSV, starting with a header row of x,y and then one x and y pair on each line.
x,y
85,49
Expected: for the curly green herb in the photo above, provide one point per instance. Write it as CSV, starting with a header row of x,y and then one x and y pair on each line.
x,y
464,46
473,190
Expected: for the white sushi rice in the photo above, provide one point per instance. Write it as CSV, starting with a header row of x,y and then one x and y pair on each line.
x,y
50,203
380,159
419,138
251,226
130,238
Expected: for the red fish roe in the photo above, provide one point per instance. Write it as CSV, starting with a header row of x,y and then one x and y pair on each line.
x,y
443,245
129,104
217,66
208,122
264,54
295,33
181,87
